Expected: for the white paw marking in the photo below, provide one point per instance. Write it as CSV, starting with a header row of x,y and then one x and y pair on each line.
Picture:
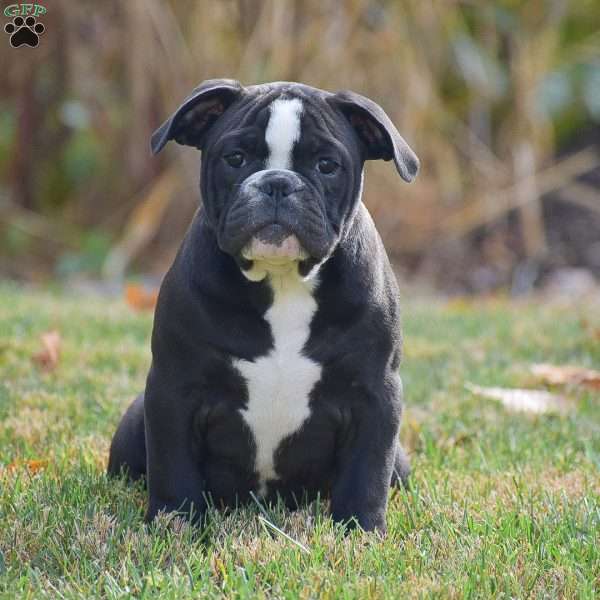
x,y
279,383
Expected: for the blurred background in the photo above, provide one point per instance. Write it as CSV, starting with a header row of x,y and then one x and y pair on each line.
x,y
500,100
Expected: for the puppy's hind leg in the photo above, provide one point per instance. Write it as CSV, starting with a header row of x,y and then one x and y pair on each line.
x,y
401,472
128,447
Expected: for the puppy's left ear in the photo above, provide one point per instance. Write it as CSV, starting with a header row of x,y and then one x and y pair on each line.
x,y
189,124
378,134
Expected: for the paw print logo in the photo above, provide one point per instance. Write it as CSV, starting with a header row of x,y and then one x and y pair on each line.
x,y
24,32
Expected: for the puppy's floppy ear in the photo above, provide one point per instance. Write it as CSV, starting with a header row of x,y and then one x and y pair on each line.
x,y
378,134
190,122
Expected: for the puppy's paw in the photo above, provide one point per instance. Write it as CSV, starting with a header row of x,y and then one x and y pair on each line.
x,y
368,521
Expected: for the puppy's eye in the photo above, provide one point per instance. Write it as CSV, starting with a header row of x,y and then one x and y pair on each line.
x,y
327,166
235,159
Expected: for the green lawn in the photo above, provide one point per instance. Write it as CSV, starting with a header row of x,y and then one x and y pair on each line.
x,y
502,504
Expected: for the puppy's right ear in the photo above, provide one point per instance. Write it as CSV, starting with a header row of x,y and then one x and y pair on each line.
x,y
189,124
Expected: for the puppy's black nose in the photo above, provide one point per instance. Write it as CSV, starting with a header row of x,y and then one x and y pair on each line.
x,y
277,186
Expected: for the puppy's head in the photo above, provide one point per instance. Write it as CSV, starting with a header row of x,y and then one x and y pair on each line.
x,y
282,166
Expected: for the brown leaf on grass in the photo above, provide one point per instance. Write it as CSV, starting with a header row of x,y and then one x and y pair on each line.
x,y
521,400
33,466
139,298
567,375
47,358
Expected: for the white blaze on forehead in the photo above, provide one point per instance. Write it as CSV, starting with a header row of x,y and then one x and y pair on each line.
x,y
283,131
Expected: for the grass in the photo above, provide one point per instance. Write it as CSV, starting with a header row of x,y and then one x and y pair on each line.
x,y
502,504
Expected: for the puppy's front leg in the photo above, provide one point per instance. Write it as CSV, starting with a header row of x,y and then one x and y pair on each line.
x,y
175,479
366,462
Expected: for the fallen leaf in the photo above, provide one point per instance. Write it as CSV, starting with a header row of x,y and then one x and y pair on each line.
x,y
567,375
33,466
533,401
36,465
47,358
139,298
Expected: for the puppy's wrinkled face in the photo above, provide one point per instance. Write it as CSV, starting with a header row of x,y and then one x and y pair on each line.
x,y
282,166
281,176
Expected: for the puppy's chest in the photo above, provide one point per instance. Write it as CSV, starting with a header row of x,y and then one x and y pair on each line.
x,y
280,382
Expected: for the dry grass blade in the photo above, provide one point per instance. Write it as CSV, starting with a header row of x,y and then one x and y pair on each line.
x,y
37,225
473,215
265,521
143,224
522,400
582,194
282,533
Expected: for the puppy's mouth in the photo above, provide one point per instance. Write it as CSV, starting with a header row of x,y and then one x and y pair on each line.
x,y
275,245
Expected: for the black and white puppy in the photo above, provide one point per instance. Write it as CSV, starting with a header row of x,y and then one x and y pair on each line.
x,y
276,340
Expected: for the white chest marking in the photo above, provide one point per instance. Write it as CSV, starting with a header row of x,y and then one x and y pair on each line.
x,y
279,383
283,131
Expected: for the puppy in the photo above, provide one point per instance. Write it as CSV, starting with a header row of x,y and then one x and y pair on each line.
x,y
276,339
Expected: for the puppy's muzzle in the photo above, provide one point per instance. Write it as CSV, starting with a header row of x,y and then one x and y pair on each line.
x,y
276,215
